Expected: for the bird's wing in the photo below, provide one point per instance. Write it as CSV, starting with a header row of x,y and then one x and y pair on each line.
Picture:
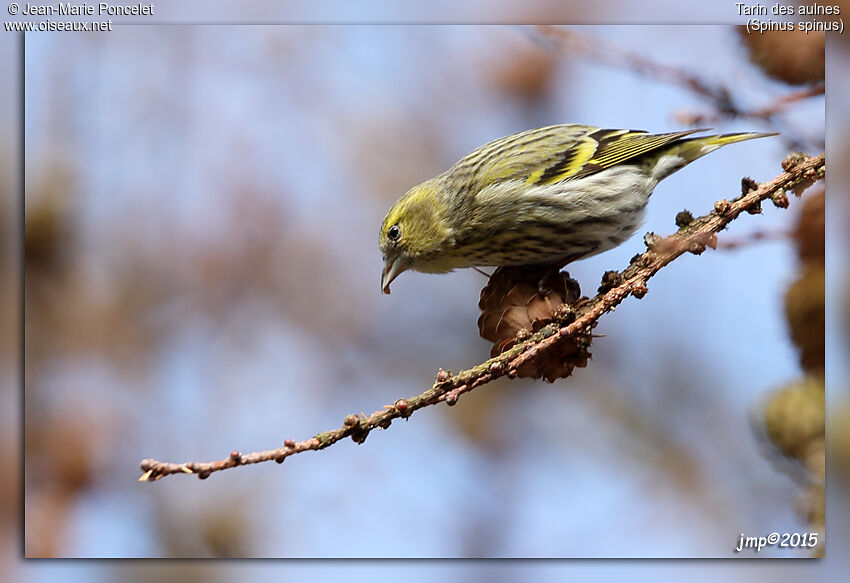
x,y
612,147
557,153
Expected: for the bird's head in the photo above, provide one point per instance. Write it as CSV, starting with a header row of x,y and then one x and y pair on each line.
x,y
414,233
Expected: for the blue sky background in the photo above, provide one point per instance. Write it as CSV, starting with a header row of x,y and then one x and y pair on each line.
x,y
219,144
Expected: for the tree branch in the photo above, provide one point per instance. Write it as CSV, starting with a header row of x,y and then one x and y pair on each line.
x,y
575,43
693,237
723,103
765,113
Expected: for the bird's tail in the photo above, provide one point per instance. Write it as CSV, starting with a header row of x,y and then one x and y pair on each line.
x,y
692,148
686,150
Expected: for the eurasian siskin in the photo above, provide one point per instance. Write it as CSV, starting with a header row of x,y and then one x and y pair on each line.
x,y
545,197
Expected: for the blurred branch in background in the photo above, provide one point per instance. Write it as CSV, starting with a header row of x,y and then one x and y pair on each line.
x,y
796,61
577,44
751,238
765,113
559,344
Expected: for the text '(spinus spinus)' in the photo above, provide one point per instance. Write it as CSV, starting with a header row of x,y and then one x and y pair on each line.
x,y
542,197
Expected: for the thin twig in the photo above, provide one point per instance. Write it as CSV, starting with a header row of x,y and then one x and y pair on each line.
x,y
781,103
694,237
595,49
751,238
765,113
722,101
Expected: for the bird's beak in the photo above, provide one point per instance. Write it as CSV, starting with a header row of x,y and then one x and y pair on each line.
x,y
393,267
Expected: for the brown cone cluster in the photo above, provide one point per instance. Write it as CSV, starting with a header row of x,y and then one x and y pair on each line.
x,y
804,300
794,417
795,57
513,307
526,74
811,228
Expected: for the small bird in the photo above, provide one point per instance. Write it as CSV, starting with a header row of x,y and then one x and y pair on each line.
x,y
546,197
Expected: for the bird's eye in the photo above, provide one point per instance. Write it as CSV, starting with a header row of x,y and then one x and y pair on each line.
x,y
393,233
